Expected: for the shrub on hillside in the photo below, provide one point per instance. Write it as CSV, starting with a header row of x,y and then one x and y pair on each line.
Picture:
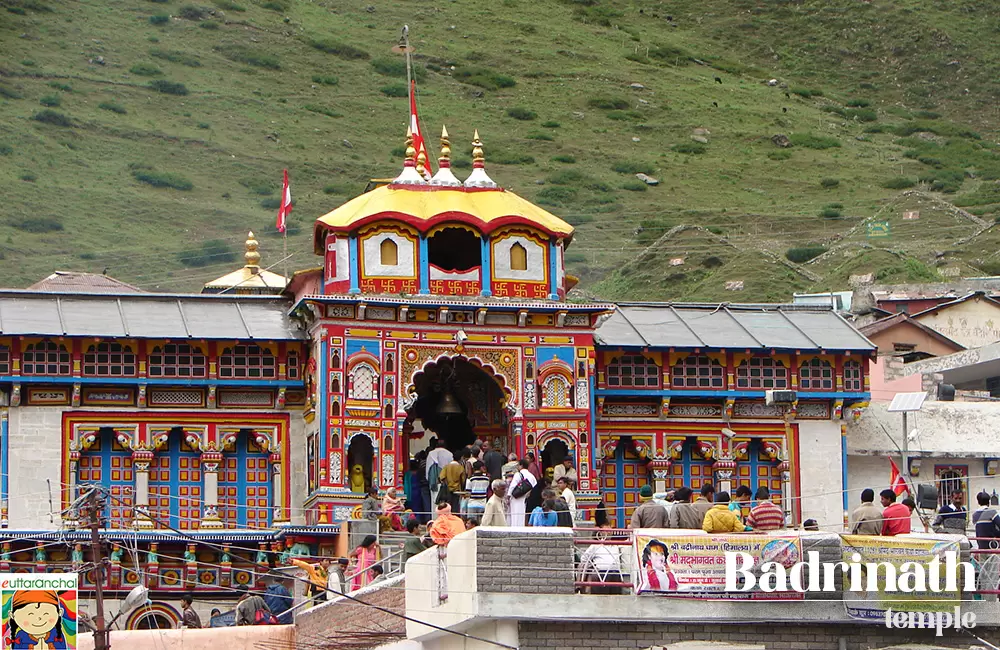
x,y
633,167
325,79
168,87
806,92
229,5
175,56
858,103
556,195
29,177
811,141
506,158
341,50
522,113
551,124
690,147
802,254
54,118
393,67
608,103
113,107
250,56
10,93
213,251
159,19
208,25
898,183
566,177
50,101
634,186
61,86
830,183
548,137
270,204
484,78
145,70
779,155
395,90
564,158
275,5
192,12
162,179
36,224
322,110
830,212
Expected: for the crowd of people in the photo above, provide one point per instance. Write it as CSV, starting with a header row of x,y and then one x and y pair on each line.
x,y
711,511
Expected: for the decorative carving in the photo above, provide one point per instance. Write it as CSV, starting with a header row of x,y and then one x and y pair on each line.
x,y
858,409
75,399
211,396
339,311
664,407
641,448
819,410
771,449
757,410
724,468
336,467
577,320
281,398
380,313
582,394
141,398
529,396
728,411
740,449
15,395
387,470
697,410
838,409
676,449
633,409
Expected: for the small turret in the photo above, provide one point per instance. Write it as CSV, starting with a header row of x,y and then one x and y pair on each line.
x,y
444,176
478,177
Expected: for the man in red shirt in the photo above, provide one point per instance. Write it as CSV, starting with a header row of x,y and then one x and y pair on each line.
x,y
895,517
765,515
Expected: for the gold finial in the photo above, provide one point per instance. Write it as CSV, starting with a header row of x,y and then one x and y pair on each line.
x,y
421,162
477,149
411,153
252,256
445,158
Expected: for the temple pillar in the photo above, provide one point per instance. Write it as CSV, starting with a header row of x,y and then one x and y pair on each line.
x,y
660,470
210,490
277,496
71,519
140,466
723,469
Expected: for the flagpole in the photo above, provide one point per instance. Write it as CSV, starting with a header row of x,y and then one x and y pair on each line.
x,y
284,254
406,50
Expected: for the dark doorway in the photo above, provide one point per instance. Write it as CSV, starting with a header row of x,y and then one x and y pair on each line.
x,y
359,455
453,396
554,452
454,249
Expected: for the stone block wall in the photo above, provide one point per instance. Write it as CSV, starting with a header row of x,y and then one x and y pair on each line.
x,y
522,561
773,636
346,615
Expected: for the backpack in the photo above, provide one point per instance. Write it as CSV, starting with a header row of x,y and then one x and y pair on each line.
x,y
263,617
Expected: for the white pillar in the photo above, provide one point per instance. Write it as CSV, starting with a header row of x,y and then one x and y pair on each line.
x,y
140,465
277,497
210,490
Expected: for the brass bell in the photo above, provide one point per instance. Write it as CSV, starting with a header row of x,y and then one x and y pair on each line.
x,y
449,405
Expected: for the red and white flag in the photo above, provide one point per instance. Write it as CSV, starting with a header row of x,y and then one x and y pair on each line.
x,y
418,139
896,482
286,204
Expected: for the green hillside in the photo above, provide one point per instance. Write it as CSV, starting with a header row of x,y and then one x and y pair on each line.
x,y
148,136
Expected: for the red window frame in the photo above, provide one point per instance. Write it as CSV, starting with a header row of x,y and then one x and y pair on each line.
x,y
825,375
698,371
633,371
52,357
109,359
247,361
178,360
853,377
4,360
762,373
293,365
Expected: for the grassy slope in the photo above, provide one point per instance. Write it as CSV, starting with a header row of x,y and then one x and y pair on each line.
x,y
241,124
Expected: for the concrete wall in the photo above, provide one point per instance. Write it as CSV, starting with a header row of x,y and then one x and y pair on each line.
x,y
909,334
972,323
206,639
35,455
820,470
523,561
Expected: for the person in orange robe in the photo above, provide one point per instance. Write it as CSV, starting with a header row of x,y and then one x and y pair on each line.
x,y
446,525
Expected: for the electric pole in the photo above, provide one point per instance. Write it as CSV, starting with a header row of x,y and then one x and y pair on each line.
x,y
95,507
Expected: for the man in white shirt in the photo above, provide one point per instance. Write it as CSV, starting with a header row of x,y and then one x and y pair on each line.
x,y
439,455
564,469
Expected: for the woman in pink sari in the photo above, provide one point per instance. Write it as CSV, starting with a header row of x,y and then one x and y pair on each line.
x,y
365,557
392,506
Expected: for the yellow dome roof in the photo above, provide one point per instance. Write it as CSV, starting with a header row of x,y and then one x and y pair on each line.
x,y
426,206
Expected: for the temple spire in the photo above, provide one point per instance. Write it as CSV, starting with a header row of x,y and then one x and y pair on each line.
x,y
252,256
478,177
410,175
444,175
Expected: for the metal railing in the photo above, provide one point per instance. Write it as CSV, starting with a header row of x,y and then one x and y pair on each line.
x,y
603,560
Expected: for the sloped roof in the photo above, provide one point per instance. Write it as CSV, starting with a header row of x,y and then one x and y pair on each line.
x,y
945,305
79,282
900,318
146,315
761,327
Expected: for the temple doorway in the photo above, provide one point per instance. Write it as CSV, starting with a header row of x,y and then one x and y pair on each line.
x,y
553,453
458,401
360,453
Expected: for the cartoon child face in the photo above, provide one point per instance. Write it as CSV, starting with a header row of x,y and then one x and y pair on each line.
x,y
657,559
36,618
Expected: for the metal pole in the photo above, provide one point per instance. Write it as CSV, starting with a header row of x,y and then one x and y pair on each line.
x,y
905,469
100,632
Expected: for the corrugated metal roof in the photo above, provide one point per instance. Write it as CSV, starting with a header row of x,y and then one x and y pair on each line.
x,y
685,325
141,315
76,282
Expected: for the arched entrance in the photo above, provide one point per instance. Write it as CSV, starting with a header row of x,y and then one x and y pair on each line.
x,y
457,400
553,453
360,453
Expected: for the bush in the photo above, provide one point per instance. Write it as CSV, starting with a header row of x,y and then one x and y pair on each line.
x,y
192,12
326,80
858,103
623,115
213,251
50,100
505,158
948,181
522,113
36,224
168,87
551,124
634,186
801,254
690,147
229,5
163,179
556,195
9,93
52,117
208,25
779,155
331,189
548,137
927,115
61,86
576,219
270,204
898,183
6,149
806,92
322,110
145,70
608,103
28,177
830,183
174,56
113,107
204,125
566,177
392,67
395,90
830,213
250,57
484,78
341,50
810,141
633,167
275,5
159,19
564,158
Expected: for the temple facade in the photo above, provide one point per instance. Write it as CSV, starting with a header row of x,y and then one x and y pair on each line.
x,y
237,427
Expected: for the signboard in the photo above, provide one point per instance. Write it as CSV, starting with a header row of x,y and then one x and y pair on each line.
x,y
38,610
879,229
862,604
911,215
694,566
